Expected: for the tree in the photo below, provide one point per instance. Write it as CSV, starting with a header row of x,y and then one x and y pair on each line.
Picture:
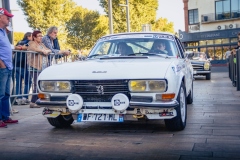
x,y
163,25
141,12
18,36
41,14
85,28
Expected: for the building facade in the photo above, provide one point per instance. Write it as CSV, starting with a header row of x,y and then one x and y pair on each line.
x,y
211,26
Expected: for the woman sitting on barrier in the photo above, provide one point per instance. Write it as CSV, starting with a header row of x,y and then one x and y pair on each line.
x,y
37,62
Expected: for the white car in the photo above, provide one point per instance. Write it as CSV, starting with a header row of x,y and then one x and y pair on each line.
x,y
126,76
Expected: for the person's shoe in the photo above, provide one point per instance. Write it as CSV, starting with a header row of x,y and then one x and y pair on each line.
x,y
3,125
10,121
15,111
25,101
34,105
19,101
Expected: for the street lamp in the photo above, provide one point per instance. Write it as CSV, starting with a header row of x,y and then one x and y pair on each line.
x,y
110,16
127,8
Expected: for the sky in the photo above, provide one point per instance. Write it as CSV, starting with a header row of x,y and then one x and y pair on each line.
x,y
174,13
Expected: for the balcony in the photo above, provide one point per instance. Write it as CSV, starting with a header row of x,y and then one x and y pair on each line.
x,y
225,16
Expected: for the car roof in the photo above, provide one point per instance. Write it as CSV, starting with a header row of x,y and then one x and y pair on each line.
x,y
131,33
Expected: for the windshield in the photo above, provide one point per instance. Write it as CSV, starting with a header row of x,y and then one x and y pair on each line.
x,y
199,56
135,45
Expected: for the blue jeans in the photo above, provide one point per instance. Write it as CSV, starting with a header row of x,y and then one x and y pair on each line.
x,y
22,74
5,81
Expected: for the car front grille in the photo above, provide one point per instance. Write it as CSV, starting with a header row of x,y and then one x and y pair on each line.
x,y
100,90
197,67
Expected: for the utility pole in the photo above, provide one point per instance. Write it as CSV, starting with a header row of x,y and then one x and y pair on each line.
x,y
127,12
110,16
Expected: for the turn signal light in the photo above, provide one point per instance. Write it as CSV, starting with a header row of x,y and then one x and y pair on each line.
x,y
43,96
168,96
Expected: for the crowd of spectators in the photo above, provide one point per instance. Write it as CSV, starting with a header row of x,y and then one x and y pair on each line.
x,y
26,65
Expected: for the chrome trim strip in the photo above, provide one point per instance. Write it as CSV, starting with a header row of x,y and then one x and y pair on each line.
x,y
161,104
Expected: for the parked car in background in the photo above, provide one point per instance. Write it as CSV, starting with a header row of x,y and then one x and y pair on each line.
x,y
126,76
201,64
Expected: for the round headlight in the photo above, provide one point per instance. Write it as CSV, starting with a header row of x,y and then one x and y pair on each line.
x,y
137,85
156,85
206,66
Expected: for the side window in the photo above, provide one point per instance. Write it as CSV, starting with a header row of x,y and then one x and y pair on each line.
x,y
180,47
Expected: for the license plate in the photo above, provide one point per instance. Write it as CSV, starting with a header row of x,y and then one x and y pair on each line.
x,y
93,117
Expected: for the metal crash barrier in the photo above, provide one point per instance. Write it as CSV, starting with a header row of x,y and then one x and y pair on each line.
x,y
234,69
27,65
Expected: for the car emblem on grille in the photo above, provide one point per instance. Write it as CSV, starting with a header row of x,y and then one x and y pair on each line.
x,y
100,89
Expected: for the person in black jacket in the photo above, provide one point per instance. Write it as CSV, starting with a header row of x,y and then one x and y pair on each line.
x,y
22,74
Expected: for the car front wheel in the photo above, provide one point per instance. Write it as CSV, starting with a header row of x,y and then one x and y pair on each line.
x,y
179,122
208,76
61,121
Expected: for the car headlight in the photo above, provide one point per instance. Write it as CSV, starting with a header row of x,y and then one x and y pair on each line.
x,y
206,66
55,86
147,85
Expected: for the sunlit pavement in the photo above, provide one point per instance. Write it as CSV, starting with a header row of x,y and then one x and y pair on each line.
x,y
212,132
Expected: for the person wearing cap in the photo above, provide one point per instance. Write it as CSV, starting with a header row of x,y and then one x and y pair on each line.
x,y
6,67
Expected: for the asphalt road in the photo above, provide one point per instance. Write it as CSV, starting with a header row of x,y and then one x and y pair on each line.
x,y
212,132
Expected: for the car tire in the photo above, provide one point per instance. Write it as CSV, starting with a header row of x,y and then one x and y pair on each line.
x,y
208,76
61,121
178,123
190,96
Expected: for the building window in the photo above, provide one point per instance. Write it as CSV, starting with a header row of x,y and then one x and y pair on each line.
x,y
224,41
202,43
210,42
226,9
234,40
193,16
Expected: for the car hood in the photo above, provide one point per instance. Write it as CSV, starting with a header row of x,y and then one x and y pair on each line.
x,y
108,69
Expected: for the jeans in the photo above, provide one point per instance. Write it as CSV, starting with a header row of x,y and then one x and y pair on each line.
x,y
5,81
34,76
22,74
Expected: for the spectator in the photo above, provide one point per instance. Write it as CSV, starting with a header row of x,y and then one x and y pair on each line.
x,y
227,54
51,42
36,61
236,48
22,74
5,69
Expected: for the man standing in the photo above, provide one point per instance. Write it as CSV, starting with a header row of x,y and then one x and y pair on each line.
x,y
50,41
5,69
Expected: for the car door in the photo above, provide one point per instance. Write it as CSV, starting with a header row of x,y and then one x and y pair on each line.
x,y
188,67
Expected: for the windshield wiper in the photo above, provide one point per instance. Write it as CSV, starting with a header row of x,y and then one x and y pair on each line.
x,y
152,54
94,55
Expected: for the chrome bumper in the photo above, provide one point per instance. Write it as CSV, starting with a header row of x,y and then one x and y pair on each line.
x,y
162,104
201,72
155,105
50,104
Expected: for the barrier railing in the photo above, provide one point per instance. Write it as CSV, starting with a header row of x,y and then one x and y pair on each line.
x,y
234,69
27,66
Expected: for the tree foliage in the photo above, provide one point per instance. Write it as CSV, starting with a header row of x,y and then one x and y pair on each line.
x,y
85,28
18,36
163,25
41,14
141,12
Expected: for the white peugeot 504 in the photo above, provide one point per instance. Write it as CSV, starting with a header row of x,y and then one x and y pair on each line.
x,y
126,76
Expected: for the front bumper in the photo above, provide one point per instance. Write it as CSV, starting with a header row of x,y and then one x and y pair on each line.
x,y
201,72
155,105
